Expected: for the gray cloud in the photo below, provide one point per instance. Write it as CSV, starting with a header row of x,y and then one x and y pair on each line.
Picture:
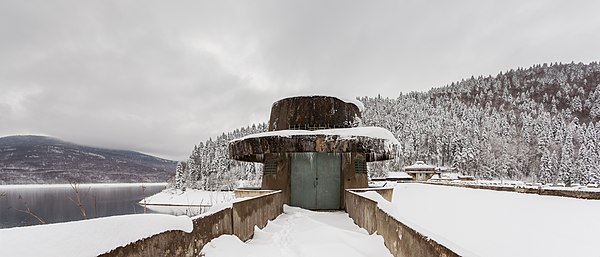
x,y
159,77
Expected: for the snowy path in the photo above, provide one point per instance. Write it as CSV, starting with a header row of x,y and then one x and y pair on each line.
x,y
298,232
498,224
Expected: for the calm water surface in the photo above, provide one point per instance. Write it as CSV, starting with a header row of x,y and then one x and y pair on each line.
x,y
57,203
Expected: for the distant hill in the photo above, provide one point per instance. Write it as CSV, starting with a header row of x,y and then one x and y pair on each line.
x,y
39,159
536,124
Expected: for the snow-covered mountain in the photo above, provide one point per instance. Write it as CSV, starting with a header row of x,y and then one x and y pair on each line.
x,y
39,159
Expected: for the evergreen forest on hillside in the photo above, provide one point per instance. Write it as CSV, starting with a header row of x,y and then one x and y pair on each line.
x,y
540,124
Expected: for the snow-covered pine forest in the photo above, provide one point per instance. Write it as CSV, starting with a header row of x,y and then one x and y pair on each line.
x,y
539,124
209,167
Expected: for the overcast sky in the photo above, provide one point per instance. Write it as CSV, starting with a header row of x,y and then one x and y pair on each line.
x,y
161,76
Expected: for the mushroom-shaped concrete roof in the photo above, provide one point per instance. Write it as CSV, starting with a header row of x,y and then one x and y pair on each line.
x,y
376,143
316,124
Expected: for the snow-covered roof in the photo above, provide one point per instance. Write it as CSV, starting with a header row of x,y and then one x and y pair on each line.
x,y
373,132
376,143
398,175
420,166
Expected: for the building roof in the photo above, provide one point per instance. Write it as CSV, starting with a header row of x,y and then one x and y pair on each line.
x,y
398,175
376,143
420,167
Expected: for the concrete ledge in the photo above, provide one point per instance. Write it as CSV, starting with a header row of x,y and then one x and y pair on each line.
x,y
528,190
386,192
241,193
255,212
238,220
400,239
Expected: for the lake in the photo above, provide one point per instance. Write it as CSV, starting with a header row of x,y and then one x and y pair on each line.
x,y
21,205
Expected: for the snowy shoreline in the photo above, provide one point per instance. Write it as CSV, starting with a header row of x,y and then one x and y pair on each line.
x,y
80,185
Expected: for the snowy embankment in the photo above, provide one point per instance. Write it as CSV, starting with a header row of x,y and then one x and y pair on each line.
x,y
190,202
476,222
299,232
189,197
87,237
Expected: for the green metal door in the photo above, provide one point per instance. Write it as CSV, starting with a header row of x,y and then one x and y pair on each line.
x,y
328,181
315,180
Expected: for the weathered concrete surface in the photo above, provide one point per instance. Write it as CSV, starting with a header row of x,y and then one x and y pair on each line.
x,y
255,149
527,190
255,212
386,192
179,243
312,112
362,210
350,178
238,220
241,193
401,240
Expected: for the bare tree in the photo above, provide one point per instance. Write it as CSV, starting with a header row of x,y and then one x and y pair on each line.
x,y
77,201
27,210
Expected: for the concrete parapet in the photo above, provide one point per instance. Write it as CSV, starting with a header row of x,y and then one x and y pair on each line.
x,y
386,192
580,194
238,220
256,211
400,239
241,193
179,243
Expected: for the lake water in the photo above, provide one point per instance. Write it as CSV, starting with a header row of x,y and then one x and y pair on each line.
x,y
19,204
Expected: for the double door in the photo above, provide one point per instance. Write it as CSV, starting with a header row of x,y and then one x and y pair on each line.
x,y
315,180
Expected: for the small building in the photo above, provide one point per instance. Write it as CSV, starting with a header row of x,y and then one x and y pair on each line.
x,y
314,150
421,171
395,176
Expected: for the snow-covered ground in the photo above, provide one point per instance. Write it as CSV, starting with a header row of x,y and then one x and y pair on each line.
x,y
190,202
189,197
476,222
87,237
299,232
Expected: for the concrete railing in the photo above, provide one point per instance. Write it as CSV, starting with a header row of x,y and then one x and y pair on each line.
x,y
255,212
238,220
399,238
563,192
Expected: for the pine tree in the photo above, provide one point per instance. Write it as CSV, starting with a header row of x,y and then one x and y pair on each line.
x,y
179,175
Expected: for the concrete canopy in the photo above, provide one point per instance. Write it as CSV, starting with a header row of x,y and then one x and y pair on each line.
x,y
254,149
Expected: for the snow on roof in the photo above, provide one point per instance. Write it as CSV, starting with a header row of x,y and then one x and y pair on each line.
x,y
399,174
419,165
373,132
356,102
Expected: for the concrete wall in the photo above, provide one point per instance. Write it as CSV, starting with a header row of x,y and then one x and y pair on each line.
x,y
527,190
255,212
281,179
351,179
401,240
386,192
241,193
238,220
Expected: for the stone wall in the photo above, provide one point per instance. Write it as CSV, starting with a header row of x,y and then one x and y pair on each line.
x,y
401,240
238,220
